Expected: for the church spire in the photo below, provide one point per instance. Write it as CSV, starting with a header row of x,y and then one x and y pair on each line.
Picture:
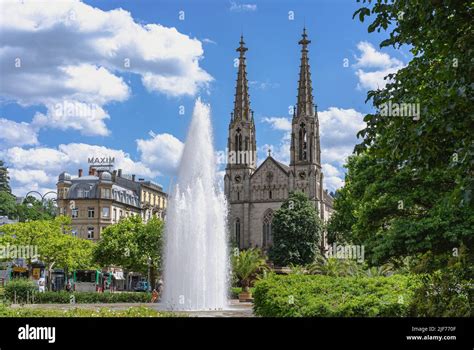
x,y
242,99
305,91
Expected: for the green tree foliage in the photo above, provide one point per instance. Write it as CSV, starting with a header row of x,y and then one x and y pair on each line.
x,y
7,199
409,188
34,209
299,295
247,265
56,247
296,232
4,178
130,244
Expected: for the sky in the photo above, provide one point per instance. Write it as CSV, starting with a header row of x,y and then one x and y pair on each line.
x,y
120,79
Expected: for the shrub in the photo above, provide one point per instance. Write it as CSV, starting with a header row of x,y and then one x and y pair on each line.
x,y
64,297
20,289
443,294
327,296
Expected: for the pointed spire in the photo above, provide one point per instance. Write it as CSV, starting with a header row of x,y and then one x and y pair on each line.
x,y
305,91
242,99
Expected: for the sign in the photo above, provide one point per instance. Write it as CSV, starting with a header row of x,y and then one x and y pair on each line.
x,y
36,273
101,160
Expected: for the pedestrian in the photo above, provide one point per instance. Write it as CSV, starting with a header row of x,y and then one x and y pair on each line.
x,y
154,296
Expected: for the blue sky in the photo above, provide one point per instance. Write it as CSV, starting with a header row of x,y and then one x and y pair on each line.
x,y
86,79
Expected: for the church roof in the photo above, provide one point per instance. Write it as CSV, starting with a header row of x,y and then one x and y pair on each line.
x,y
242,99
305,104
283,167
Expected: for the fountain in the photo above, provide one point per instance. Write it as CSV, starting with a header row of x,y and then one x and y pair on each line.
x,y
196,264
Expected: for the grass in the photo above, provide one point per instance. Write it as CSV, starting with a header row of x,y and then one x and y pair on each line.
x,y
135,311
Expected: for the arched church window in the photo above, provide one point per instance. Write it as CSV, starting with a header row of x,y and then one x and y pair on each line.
x,y
302,142
237,231
270,194
267,228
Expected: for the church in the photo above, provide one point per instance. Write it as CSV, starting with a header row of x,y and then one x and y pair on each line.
x,y
254,192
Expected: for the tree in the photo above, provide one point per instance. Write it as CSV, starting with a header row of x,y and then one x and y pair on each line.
x,y
409,187
56,247
34,209
4,178
133,245
296,232
7,199
246,265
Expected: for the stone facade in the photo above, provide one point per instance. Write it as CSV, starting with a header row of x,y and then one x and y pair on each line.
x,y
102,198
255,193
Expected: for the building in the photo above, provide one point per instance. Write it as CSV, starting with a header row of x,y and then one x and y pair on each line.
x,y
102,198
255,192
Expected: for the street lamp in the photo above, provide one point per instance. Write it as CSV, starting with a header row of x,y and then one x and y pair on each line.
x,y
42,196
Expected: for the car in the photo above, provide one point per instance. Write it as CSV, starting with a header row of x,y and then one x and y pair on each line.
x,y
141,286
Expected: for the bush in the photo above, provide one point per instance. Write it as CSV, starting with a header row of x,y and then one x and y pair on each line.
x,y
20,289
326,296
443,294
64,297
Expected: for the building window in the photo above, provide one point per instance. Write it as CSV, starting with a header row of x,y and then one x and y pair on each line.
x,y
75,213
90,212
105,212
237,232
267,228
90,232
270,194
74,233
80,193
106,193
302,140
115,214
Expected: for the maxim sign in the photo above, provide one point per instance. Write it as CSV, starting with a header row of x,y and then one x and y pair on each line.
x,y
101,160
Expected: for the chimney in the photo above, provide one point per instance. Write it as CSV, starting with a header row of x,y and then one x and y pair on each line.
x,y
80,173
91,170
133,177
114,175
119,173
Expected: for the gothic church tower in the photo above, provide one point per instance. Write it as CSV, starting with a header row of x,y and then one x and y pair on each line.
x,y
305,150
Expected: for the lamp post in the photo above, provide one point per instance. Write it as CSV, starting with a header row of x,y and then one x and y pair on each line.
x,y
42,196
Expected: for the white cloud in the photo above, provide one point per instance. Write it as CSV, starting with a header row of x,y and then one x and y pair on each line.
x,y
278,123
38,167
17,134
89,119
236,7
27,176
372,66
339,127
209,41
75,52
162,152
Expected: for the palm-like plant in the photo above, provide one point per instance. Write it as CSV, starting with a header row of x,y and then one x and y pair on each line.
x,y
246,265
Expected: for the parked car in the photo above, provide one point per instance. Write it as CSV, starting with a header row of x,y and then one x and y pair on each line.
x,y
141,286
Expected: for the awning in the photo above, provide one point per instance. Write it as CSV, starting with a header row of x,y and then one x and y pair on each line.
x,y
118,275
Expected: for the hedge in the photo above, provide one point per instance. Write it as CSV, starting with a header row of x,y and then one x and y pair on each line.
x,y
64,297
327,296
19,290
